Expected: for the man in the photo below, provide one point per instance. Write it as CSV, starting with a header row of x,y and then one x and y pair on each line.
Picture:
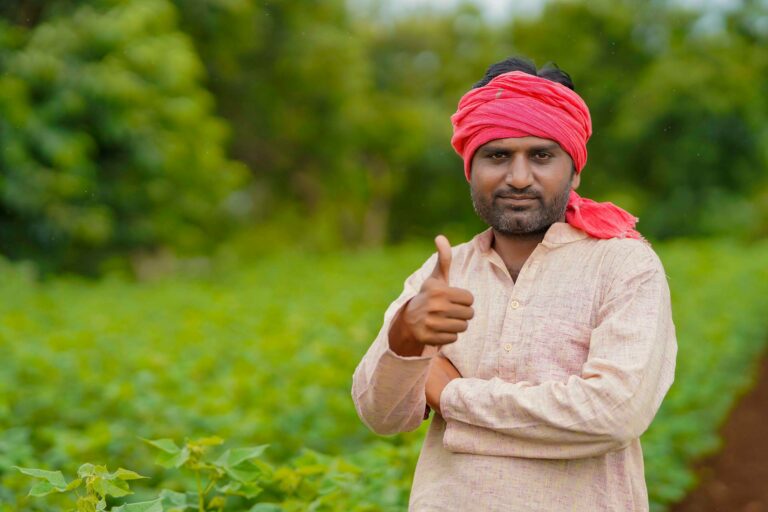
x,y
545,344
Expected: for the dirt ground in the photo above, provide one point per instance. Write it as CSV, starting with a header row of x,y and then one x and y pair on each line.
x,y
736,479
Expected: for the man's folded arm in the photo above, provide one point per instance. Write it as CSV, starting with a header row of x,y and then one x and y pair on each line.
x,y
628,371
387,388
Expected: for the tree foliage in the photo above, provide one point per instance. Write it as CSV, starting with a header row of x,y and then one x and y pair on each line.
x,y
107,142
342,117
348,116
677,108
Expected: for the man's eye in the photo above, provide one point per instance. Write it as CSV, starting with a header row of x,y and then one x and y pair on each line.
x,y
541,155
497,156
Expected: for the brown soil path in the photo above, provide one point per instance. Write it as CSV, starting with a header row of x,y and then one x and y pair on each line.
x,y
736,479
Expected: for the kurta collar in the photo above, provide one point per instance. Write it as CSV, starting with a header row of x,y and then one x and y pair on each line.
x,y
558,233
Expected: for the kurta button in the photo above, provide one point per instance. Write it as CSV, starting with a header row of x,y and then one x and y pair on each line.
x,y
514,304
508,347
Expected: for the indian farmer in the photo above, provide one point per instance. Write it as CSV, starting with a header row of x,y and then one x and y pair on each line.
x,y
545,344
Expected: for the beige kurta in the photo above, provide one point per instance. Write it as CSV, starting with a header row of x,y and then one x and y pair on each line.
x,y
562,371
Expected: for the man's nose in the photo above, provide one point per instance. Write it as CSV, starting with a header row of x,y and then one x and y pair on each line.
x,y
519,173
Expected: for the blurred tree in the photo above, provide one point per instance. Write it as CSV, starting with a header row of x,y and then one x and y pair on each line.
x,y
334,114
344,122
676,104
107,143
286,75
429,60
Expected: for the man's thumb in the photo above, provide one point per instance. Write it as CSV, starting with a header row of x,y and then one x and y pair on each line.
x,y
443,266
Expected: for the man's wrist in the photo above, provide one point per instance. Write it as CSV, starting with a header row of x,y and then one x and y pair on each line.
x,y
401,340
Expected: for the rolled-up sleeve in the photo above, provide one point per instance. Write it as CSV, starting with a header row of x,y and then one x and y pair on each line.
x,y
629,368
388,389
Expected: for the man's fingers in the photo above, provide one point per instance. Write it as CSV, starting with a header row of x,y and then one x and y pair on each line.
x,y
459,311
442,338
460,296
443,266
450,325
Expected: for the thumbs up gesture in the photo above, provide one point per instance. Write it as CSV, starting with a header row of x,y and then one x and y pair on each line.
x,y
439,312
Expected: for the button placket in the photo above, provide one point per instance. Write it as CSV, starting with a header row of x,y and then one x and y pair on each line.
x,y
514,304
511,347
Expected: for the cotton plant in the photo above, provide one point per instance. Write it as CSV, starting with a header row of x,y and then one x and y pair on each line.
x,y
93,485
232,479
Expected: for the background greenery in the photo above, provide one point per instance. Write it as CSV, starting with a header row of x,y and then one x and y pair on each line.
x,y
133,126
264,353
205,206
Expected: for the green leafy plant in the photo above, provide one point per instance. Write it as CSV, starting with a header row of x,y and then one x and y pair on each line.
x,y
98,484
237,471
258,342
235,479
239,479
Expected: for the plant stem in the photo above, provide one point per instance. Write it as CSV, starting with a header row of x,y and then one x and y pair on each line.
x,y
200,495
210,485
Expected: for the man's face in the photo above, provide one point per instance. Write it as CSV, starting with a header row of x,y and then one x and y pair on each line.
x,y
521,185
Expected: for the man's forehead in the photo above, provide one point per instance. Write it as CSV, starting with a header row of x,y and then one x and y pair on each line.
x,y
521,143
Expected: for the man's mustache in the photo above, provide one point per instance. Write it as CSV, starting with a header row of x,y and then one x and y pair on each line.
x,y
509,194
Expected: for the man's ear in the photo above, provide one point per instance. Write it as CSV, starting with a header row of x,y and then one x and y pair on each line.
x,y
575,180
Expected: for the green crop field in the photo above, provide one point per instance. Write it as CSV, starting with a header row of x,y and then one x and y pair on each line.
x,y
263,354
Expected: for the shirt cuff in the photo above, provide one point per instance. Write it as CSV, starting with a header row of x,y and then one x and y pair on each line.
x,y
402,369
425,355
449,399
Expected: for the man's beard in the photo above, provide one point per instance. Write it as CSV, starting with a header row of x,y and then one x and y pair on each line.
x,y
516,220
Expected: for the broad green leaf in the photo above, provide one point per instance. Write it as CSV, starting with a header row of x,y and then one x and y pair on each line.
x,y
55,478
86,470
115,488
177,499
43,489
142,506
266,507
245,475
173,496
167,445
250,491
217,502
265,468
125,474
173,460
235,456
230,487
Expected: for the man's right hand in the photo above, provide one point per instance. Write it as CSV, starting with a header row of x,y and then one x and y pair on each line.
x,y
437,314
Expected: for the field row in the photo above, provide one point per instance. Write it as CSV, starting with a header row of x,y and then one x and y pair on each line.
x,y
264,355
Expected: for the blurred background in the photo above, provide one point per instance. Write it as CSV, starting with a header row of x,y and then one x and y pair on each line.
x,y
228,193
134,127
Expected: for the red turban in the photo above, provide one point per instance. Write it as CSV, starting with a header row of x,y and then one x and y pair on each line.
x,y
517,104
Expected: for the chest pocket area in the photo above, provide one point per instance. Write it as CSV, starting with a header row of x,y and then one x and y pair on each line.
x,y
559,349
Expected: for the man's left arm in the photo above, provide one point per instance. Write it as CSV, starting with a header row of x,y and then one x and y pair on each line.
x,y
628,371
